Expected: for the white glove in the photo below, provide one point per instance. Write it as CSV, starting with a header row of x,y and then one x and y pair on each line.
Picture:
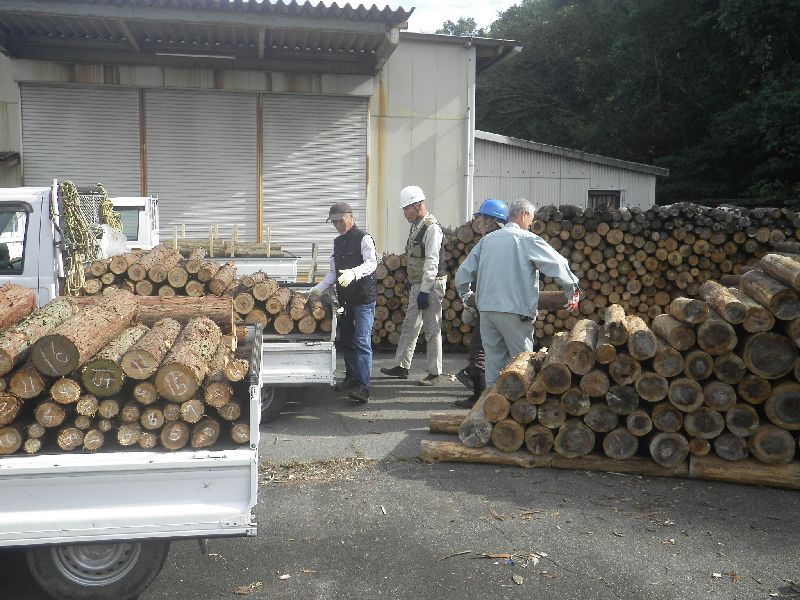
x,y
347,277
315,291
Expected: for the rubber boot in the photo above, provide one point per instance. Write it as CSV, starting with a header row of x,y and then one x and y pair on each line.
x,y
478,386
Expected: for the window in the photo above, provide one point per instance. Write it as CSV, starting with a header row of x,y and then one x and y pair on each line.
x,y
607,198
13,225
129,215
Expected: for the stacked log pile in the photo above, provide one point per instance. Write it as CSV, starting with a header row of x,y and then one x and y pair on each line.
x,y
109,373
165,273
639,259
711,382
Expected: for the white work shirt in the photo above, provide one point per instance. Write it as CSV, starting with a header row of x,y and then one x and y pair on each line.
x,y
368,253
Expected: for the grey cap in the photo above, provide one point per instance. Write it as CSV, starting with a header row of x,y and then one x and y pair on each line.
x,y
338,211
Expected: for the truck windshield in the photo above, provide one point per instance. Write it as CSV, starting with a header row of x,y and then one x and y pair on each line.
x,y
129,215
13,225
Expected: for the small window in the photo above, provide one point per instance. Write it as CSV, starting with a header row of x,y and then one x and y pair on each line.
x,y
129,215
13,225
604,198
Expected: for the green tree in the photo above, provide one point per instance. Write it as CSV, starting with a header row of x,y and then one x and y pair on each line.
x,y
465,26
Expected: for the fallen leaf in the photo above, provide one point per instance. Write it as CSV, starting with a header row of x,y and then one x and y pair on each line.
x,y
244,590
517,579
285,576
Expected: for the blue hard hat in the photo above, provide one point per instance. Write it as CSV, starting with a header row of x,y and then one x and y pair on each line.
x,y
494,208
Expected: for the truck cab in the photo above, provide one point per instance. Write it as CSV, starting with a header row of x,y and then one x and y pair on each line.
x,y
139,216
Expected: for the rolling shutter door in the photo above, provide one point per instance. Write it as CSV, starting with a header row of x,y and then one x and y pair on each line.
x,y
201,161
315,154
86,135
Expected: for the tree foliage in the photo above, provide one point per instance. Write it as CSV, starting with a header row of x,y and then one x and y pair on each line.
x,y
707,88
465,26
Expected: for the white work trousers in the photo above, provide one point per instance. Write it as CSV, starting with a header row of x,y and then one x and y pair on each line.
x,y
504,336
430,320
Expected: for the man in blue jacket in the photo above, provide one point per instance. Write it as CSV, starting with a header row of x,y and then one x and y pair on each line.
x,y
506,266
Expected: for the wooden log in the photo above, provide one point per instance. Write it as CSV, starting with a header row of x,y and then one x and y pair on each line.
x,y
283,323
782,268
109,408
145,392
685,394
625,369
276,303
772,445
130,412
172,411
178,277
515,379
87,405
666,417
103,375
49,414
205,433
604,352
449,422
195,289
508,435
192,411
783,406
616,326
651,387
17,340
257,317
620,444
158,272
555,374
16,304
69,438
754,390
222,279
552,413
729,368
207,271
595,383
749,472
716,336
574,439
119,264
667,362
307,325
730,447
128,434
152,418
688,310
523,411
676,333
579,354
704,423
742,420
174,435
10,407
92,287
240,432
144,288
769,355
148,440
698,365
634,465
77,339
476,430
10,440
539,440
642,343
719,396
699,447
575,402
669,449
723,302
622,399
782,301
137,271
536,394
601,418
65,391
93,440
437,451
639,423
184,368
143,358
26,382
757,318
264,289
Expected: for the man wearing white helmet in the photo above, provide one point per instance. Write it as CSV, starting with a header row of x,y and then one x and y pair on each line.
x,y
427,274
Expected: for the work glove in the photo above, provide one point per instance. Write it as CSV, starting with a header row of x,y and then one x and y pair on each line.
x,y
572,303
315,291
422,300
347,277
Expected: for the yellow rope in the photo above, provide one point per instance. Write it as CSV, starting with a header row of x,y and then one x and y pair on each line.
x,y
82,239
109,216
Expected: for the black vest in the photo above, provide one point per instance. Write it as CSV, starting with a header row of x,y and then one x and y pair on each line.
x,y
347,255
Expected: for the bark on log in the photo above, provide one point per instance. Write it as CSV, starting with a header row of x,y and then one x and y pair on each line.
x,y
757,318
688,310
574,439
579,353
677,334
186,365
749,472
16,304
440,422
604,352
103,376
723,302
143,358
635,465
515,379
435,451
555,374
782,268
782,301
642,343
77,339
476,430
616,325
222,279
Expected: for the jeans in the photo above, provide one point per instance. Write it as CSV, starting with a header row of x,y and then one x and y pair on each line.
x,y
355,341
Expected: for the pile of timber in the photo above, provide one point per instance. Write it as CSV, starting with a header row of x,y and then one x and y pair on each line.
x,y
716,377
636,258
115,372
166,273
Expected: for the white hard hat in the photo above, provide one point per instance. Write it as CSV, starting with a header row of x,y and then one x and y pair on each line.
x,y
411,194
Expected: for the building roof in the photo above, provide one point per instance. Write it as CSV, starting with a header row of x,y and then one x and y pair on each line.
x,y
567,153
490,52
238,34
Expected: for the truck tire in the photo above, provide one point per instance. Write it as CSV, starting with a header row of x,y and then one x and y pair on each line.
x,y
115,570
272,400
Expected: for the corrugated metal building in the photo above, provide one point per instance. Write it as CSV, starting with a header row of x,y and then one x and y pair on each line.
x,y
511,168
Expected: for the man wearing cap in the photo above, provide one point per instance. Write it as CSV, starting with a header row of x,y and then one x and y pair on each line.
x,y
427,274
352,269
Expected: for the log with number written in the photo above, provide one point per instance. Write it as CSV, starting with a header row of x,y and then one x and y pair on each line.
x,y
83,376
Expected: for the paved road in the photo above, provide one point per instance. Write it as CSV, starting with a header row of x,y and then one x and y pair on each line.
x,y
346,511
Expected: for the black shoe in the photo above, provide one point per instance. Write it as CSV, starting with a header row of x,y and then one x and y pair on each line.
x,y
360,395
429,380
398,372
464,377
466,402
345,385
478,387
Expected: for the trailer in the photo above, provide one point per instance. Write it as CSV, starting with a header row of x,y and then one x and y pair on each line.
x,y
99,526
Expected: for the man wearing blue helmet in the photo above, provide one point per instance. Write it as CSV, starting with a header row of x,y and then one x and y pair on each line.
x,y
491,216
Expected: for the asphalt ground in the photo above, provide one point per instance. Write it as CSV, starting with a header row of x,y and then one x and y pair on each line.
x,y
347,511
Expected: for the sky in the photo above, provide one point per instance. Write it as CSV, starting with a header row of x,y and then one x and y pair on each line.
x,y
430,14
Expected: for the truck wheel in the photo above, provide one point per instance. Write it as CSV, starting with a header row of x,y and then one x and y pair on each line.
x,y
119,570
272,401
